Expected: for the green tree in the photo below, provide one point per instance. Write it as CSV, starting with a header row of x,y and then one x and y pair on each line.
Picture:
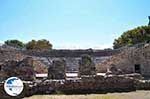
x,y
134,36
15,43
40,44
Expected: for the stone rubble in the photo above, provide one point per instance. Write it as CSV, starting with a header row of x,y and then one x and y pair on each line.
x,y
22,69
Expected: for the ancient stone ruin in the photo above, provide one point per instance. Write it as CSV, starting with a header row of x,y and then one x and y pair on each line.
x,y
57,70
124,71
134,59
86,66
112,69
22,69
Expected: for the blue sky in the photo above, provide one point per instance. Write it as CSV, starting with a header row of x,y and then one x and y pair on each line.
x,y
71,24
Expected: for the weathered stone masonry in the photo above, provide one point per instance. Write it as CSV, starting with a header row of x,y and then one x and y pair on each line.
x,y
71,57
135,59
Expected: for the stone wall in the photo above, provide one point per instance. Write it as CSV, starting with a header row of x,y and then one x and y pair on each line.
x,y
85,85
72,63
45,58
6,55
71,57
23,69
129,60
68,53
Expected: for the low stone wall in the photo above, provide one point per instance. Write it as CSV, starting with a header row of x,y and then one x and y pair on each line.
x,y
94,84
84,85
98,84
143,85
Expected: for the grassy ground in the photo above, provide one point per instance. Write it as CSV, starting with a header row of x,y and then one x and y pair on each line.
x,y
129,95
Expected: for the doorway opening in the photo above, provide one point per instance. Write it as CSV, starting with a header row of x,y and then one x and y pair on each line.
x,y
137,68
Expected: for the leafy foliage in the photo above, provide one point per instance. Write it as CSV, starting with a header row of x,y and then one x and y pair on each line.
x,y
134,36
40,44
15,43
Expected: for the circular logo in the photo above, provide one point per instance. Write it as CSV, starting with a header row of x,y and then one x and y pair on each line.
x,y
13,86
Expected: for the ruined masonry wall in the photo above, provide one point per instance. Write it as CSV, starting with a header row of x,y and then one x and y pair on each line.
x,y
72,63
128,58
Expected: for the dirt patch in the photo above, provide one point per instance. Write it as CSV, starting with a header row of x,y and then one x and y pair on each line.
x,y
129,95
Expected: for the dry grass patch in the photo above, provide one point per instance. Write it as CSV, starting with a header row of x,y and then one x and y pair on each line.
x,y
129,95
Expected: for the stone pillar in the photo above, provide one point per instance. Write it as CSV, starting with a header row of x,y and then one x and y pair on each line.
x,y
57,70
86,66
